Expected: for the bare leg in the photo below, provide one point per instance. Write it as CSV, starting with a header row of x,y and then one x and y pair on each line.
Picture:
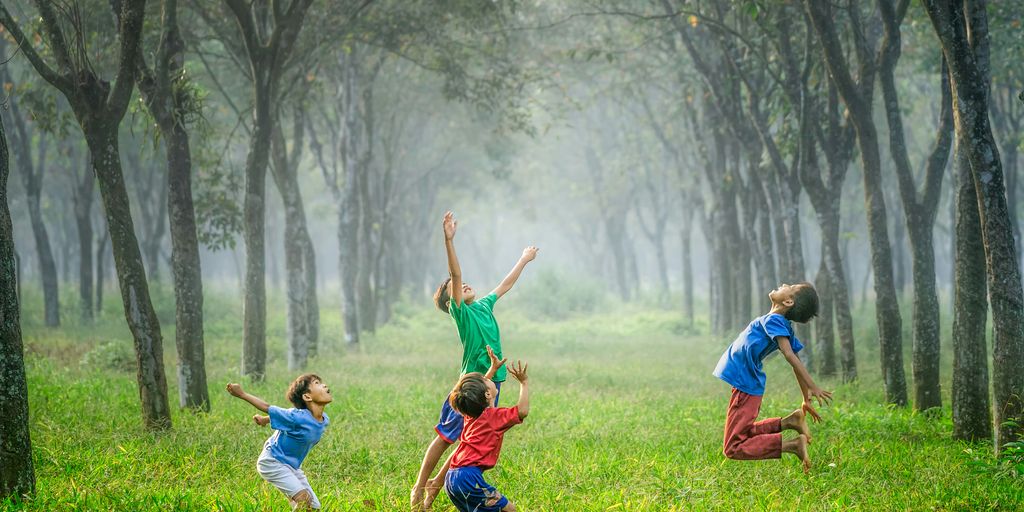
x,y
434,485
797,420
511,507
798,446
434,452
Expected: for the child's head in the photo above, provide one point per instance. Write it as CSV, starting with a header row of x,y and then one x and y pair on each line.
x,y
473,394
798,301
442,297
307,388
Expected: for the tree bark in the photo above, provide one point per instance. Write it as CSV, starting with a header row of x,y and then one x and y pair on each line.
x,y
972,416
348,209
298,246
17,475
83,195
824,334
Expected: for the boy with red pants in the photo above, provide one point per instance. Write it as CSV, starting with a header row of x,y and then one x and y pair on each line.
x,y
741,367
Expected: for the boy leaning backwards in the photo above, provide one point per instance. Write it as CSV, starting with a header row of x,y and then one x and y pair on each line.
x,y
740,366
296,431
478,331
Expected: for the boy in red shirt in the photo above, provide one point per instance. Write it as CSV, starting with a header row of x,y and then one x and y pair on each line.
x,y
480,442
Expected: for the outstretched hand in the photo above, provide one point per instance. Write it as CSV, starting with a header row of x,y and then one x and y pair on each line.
x,y
823,397
235,389
518,370
450,224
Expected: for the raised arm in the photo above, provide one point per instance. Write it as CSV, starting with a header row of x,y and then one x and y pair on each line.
x,y
807,386
518,371
506,284
454,270
257,402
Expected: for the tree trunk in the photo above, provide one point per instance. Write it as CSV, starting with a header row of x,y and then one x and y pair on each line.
x,y
138,309
254,346
101,264
687,262
186,270
972,416
297,247
17,476
823,329
348,209
83,219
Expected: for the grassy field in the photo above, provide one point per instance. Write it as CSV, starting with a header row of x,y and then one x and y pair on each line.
x,y
625,416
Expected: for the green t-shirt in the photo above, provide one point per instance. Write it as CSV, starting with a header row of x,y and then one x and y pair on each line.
x,y
478,329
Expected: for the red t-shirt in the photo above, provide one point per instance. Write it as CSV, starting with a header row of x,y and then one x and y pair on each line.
x,y
480,442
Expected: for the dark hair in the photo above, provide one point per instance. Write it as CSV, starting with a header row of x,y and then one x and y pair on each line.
x,y
441,297
299,387
470,395
805,303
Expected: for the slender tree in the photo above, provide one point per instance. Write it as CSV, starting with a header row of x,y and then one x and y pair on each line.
x,y
919,207
169,98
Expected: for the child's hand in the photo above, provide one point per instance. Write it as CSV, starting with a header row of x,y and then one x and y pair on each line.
x,y
518,371
823,397
495,362
529,253
809,410
261,420
449,225
235,389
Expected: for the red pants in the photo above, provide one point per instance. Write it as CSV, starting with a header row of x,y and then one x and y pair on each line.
x,y
746,439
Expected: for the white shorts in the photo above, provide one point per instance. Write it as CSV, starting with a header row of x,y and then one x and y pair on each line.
x,y
287,479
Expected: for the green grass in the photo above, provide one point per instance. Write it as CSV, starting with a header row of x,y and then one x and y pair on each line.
x,y
625,416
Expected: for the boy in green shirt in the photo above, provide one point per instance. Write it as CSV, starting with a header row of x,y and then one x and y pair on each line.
x,y
478,332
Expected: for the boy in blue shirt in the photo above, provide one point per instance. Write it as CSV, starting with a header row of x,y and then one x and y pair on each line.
x,y
741,367
296,431
479,334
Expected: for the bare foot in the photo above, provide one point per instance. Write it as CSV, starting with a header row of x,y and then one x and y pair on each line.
x,y
261,420
416,498
801,451
797,420
432,491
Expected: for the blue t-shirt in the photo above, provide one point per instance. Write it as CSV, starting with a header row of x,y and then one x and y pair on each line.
x,y
740,365
296,431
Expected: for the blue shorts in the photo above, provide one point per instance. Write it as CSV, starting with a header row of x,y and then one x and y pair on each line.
x,y
470,493
449,425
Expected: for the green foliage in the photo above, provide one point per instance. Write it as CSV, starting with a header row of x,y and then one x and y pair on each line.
x,y
114,355
554,294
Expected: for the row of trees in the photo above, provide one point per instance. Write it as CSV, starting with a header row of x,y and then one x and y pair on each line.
x,y
714,115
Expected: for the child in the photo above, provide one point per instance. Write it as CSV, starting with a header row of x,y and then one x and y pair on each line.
x,y
296,431
485,427
478,330
740,366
